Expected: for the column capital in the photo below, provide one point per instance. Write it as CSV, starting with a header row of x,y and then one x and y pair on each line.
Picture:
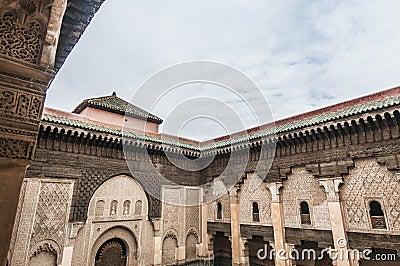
x,y
156,222
331,186
234,194
274,188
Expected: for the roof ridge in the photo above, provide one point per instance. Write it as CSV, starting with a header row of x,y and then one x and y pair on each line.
x,y
115,104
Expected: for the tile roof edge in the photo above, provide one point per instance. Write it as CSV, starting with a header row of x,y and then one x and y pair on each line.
x,y
251,133
50,113
369,98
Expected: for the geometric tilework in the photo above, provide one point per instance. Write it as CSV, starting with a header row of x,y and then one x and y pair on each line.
x,y
370,180
261,195
51,213
300,186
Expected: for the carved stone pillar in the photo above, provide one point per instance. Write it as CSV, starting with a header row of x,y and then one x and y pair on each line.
x,y
157,242
244,256
67,256
180,254
25,227
235,225
292,260
278,222
210,250
336,215
203,246
29,31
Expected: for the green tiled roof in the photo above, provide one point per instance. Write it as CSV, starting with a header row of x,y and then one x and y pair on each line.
x,y
314,120
296,124
117,132
117,105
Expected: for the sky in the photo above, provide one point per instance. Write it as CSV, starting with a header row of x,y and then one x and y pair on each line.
x,y
303,55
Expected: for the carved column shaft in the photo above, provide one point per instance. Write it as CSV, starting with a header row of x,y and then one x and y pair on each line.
x,y
203,249
336,215
235,225
277,221
157,243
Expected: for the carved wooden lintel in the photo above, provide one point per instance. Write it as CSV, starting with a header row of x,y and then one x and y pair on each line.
x,y
330,169
392,162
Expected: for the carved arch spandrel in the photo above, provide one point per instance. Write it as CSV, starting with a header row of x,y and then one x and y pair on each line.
x,y
90,181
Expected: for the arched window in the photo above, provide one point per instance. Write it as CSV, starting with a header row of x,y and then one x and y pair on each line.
x,y
219,210
256,212
113,207
127,206
99,209
305,213
138,207
377,215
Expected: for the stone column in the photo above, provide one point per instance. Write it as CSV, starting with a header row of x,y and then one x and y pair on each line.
x,y
25,227
278,223
289,248
157,243
12,173
210,244
244,256
67,256
180,254
203,246
235,225
336,215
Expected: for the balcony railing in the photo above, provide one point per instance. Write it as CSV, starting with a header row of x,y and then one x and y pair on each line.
x,y
378,222
305,219
256,217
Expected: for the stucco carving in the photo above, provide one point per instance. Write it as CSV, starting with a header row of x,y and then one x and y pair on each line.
x,y
303,186
370,180
261,195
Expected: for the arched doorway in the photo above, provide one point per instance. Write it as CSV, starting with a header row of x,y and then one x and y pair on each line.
x,y
43,258
222,249
169,246
117,245
190,246
111,253
44,253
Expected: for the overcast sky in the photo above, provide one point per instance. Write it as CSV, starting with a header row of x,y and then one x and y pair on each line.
x,y
302,54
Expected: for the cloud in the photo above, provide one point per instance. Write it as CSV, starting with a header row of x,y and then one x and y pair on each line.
x,y
302,54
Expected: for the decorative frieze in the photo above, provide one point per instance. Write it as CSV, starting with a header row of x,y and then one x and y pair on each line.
x,y
16,148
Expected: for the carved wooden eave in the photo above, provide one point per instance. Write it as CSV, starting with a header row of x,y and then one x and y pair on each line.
x,y
77,17
69,139
384,125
